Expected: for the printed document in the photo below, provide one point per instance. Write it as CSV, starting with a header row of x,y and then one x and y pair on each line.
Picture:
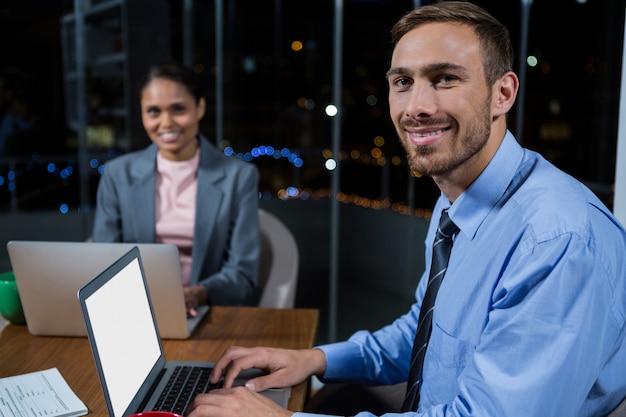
x,y
39,394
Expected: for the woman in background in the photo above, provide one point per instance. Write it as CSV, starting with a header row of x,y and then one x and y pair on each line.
x,y
182,190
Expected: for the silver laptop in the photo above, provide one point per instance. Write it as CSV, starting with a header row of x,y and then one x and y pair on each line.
x,y
133,371
48,275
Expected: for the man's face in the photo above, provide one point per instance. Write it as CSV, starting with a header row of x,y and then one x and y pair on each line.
x,y
439,101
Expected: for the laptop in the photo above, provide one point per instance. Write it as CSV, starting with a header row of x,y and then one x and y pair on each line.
x,y
49,274
127,349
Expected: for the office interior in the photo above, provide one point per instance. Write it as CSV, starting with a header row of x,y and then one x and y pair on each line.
x,y
298,88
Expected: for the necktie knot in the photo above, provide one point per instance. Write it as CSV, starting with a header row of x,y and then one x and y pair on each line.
x,y
447,228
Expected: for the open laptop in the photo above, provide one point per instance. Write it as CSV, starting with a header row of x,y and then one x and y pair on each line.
x,y
49,274
127,349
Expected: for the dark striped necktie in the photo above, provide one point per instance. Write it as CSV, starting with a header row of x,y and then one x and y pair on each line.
x,y
441,254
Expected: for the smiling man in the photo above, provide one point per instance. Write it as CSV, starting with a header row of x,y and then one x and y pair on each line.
x,y
445,110
523,314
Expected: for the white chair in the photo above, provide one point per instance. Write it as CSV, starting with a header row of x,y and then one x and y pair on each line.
x,y
279,261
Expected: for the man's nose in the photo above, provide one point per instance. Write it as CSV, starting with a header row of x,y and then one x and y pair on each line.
x,y
422,101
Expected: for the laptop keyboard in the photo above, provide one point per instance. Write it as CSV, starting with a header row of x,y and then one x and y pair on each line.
x,y
184,384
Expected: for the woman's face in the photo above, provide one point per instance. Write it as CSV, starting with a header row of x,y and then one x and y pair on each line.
x,y
171,116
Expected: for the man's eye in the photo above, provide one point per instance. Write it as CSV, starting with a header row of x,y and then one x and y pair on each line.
x,y
446,79
402,82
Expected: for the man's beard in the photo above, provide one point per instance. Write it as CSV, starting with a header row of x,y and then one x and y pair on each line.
x,y
422,159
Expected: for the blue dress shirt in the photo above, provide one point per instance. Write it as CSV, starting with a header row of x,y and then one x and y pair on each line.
x,y
529,319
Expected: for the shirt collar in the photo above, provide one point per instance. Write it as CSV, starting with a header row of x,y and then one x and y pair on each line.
x,y
474,204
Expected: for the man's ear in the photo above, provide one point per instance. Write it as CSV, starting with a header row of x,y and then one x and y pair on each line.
x,y
504,94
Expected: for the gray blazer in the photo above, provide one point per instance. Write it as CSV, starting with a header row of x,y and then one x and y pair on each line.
x,y
225,253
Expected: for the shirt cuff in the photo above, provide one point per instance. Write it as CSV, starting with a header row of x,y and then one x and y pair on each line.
x,y
344,360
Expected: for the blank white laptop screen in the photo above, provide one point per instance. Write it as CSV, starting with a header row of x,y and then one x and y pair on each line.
x,y
124,331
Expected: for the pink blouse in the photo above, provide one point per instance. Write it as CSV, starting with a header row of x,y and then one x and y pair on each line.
x,y
176,185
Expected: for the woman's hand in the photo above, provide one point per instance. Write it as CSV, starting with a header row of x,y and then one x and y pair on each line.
x,y
195,295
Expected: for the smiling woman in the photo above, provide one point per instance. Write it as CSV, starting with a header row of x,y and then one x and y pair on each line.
x,y
182,190
171,110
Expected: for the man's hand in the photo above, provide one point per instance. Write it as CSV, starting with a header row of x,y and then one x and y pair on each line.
x,y
239,401
285,367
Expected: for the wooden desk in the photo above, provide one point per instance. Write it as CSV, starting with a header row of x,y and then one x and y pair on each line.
x,y
20,352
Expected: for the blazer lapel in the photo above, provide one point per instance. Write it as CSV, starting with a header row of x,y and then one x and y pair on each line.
x,y
208,201
143,194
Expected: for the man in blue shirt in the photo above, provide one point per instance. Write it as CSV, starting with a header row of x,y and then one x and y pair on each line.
x,y
529,319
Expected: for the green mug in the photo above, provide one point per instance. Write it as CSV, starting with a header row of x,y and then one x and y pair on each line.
x,y
10,303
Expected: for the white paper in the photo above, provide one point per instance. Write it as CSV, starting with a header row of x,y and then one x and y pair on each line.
x,y
39,394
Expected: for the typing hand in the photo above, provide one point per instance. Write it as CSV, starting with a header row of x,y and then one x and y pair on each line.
x,y
285,367
239,401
